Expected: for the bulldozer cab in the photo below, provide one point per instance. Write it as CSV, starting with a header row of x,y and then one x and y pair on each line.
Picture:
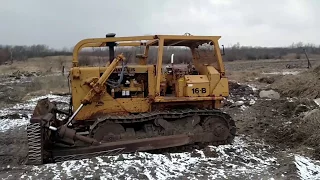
x,y
201,51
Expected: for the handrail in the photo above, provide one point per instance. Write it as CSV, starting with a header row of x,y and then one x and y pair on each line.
x,y
100,42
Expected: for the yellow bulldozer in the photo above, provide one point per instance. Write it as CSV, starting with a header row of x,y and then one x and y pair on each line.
x,y
124,108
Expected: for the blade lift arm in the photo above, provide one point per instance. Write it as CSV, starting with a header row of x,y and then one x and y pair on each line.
x,y
98,88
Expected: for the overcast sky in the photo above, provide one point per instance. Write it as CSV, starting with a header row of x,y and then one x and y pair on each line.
x,y
62,23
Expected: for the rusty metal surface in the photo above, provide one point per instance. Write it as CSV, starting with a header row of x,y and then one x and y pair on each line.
x,y
66,157
42,110
123,147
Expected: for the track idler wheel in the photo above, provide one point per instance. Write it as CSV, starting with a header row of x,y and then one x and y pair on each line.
x,y
222,131
108,132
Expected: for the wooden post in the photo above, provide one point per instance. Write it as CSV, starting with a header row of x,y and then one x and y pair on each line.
x,y
309,64
62,71
11,56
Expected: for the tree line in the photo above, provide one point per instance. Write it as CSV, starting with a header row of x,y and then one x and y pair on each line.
x,y
21,53
181,55
238,52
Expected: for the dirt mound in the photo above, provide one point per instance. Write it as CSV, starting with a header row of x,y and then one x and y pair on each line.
x,y
240,95
304,85
310,125
14,147
239,90
20,74
287,123
268,80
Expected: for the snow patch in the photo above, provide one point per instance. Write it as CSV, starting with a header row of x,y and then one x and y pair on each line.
x,y
283,73
243,107
236,161
252,87
51,97
6,124
239,103
307,168
22,112
252,102
317,101
230,100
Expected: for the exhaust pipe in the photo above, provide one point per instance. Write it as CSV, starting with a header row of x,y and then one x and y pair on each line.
x,y
172,58
111,46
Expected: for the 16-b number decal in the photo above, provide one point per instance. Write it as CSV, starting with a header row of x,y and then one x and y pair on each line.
x,y
198,90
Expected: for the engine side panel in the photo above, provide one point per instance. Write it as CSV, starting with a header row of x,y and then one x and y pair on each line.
x,y
196,85
132,98
137,90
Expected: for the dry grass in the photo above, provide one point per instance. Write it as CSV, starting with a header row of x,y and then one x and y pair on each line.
x,y
25,89
302,55
43,65
243,76
48,84
310,124
49,65
305,84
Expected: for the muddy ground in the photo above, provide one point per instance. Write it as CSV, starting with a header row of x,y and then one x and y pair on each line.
x,y
276,138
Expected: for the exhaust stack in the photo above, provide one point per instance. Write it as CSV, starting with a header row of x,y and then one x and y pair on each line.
x,y
111,46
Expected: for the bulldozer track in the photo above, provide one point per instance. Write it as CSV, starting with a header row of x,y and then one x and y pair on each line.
x,y
145,117
142,117
164,114
35,144
173,114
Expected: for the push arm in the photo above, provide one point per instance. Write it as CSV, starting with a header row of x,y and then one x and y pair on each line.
x,y
98,88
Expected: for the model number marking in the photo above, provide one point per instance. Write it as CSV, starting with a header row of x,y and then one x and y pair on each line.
x,y
198,90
